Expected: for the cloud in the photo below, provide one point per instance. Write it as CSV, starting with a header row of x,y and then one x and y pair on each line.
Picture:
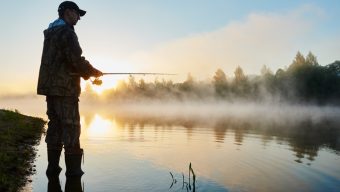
x,y
270,39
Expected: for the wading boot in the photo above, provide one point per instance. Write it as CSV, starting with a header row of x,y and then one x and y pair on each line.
x,y
73,163
53,157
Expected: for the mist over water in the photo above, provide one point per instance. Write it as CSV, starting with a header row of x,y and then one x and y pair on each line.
x,y
32,105
207,112
211,112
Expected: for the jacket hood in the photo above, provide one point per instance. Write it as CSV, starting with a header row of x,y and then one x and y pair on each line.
x,y
56,25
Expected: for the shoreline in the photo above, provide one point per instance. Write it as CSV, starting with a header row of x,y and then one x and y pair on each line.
x,y
19,134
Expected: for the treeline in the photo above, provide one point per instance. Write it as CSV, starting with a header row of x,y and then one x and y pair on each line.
x,y
304,80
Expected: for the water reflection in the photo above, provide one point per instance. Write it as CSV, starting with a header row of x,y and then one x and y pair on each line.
x,y
54,184
229,145
305,138
73,184
99,127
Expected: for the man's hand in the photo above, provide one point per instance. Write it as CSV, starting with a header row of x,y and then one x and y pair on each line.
x,y
97,73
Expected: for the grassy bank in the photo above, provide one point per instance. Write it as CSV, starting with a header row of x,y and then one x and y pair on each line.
x,y
18,135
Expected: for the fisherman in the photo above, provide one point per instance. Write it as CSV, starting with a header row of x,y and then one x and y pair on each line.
x,y
61,60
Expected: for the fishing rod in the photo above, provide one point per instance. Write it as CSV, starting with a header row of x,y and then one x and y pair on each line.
x,y
139,74
98,81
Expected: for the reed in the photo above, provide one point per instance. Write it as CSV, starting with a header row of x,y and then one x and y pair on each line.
x,y
188,185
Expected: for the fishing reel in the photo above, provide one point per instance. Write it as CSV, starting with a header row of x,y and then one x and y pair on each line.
x,y
96,81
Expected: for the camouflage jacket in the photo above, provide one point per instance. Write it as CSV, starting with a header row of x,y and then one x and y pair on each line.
x,y
62,56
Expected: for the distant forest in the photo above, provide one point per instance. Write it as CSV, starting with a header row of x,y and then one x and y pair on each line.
x,y
303,81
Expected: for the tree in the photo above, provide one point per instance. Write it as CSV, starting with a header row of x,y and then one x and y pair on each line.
x,y
311,59
266,71
332,82
132,82
142,84
239,75
220,83
279,73
188,84
240,84
190,79
297,63
220,77
299,59
267,79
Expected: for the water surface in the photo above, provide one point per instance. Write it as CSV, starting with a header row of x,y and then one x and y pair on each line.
x,y
288,149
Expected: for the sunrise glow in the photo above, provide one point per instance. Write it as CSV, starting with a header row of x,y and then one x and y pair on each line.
x,y
109,82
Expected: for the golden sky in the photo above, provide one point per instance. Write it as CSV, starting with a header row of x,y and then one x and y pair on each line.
x,y
171,37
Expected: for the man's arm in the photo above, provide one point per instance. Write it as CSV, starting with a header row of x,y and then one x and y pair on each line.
x,y
78,63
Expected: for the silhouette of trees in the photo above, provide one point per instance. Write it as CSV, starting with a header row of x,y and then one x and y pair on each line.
x,y
308,81
304,80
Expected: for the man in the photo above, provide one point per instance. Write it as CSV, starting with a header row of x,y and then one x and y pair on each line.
x,y
61,68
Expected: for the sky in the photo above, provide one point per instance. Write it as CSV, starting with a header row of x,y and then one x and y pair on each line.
x,y
171,36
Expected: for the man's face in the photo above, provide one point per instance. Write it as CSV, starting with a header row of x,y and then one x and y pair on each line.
x,y
71,16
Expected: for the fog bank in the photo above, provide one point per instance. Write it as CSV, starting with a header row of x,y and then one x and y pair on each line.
x,y
213,112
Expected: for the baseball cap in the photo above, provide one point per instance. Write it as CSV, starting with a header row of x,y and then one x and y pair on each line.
x,y
70,5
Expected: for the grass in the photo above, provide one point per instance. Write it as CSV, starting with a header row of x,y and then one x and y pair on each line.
x,y
18,135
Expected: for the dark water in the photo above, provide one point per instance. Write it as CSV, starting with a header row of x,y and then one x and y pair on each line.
x,y
281,149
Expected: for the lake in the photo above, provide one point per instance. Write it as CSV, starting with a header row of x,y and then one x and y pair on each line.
x,y
230,146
